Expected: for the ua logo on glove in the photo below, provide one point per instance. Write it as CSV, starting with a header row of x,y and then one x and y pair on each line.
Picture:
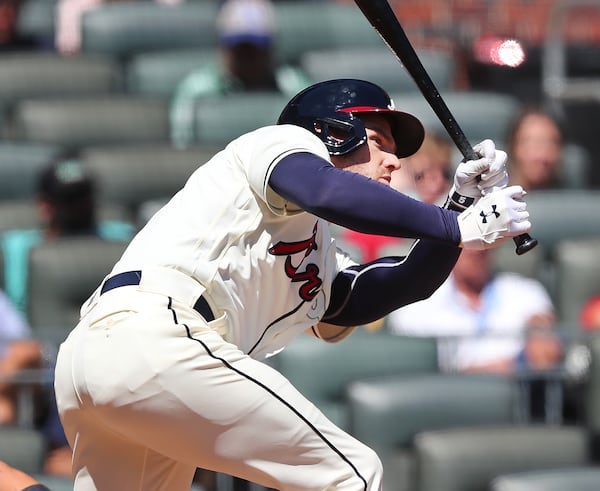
x,y
484,215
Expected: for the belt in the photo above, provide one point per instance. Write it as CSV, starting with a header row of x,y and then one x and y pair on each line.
x,y
131,278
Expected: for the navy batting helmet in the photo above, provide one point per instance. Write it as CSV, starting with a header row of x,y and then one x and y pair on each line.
x,y
330,110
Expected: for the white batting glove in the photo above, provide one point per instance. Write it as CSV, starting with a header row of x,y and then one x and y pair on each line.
x,y
496,217
476,178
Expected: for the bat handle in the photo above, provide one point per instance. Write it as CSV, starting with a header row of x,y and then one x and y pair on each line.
x,y
524,243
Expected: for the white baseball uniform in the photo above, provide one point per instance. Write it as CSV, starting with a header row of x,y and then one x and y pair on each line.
x,y
148,389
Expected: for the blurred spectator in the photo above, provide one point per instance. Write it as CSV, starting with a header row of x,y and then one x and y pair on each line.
x,y
68,21
589,318
578,360
66,201
432,168
246,63
9,15
535,143
485,322
18,351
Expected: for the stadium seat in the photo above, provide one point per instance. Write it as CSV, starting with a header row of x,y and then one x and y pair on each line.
x,y
307,26
18,214
156,74
379,65
62,275
387,413
36,21
34,74
322,371
22,448
218,120
461,459
575,168
578,275
130,175
20,165
85,121
466,107
592,389
55,483
122,29
575,479
564,214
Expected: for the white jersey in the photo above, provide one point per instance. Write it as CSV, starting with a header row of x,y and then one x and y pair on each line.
x,y
265,264
471,337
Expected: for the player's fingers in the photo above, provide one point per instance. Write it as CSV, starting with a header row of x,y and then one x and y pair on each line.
x,y
486,149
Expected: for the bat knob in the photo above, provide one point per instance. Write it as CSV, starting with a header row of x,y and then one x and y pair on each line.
x,y
524,243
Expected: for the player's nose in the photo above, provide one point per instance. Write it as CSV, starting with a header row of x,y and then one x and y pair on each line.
x,y
391,161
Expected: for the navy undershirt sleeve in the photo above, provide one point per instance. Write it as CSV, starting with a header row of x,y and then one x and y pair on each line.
x,y
356,202
367,292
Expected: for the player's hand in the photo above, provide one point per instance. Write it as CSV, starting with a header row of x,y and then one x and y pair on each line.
x,y
496,177
476,178
496,217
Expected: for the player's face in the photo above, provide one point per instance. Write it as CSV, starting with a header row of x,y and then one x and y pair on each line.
x,y
377,159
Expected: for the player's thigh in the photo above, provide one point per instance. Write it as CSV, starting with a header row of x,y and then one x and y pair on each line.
x,y
105,461
239,416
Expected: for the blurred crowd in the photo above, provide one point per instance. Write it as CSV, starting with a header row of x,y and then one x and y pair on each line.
x,y
486,318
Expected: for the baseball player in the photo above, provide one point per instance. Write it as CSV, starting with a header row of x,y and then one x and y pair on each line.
x,y
164,372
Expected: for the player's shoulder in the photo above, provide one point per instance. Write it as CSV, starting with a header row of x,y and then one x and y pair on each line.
x,y
280,140
287,132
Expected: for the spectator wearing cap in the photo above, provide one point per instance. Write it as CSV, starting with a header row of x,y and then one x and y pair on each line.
x,y
245,63
66,204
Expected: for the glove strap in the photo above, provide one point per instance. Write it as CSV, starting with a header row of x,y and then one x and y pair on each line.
x,y
458,202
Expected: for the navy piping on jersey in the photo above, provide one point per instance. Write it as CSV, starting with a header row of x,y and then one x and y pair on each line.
x,y
293,311
270,391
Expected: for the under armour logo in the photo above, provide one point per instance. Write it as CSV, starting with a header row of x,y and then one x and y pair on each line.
x,y
484,215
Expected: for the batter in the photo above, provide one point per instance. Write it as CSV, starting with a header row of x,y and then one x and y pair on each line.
x,y
164,372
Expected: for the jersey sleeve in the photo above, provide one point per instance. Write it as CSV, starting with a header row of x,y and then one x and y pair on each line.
x,y
267,147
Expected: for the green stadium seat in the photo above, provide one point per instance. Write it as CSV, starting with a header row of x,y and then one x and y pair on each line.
x,y
307,26
387,413
218,120
85,121
323,371
22,448
46,74
20,165
157,74
63,273
466,107
461,459
576,479
130,175
122,29
379,65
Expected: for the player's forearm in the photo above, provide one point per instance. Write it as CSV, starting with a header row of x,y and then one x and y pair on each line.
x,y
358,203
364,293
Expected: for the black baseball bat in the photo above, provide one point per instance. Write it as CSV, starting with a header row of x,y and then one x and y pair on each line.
x,y
382,18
